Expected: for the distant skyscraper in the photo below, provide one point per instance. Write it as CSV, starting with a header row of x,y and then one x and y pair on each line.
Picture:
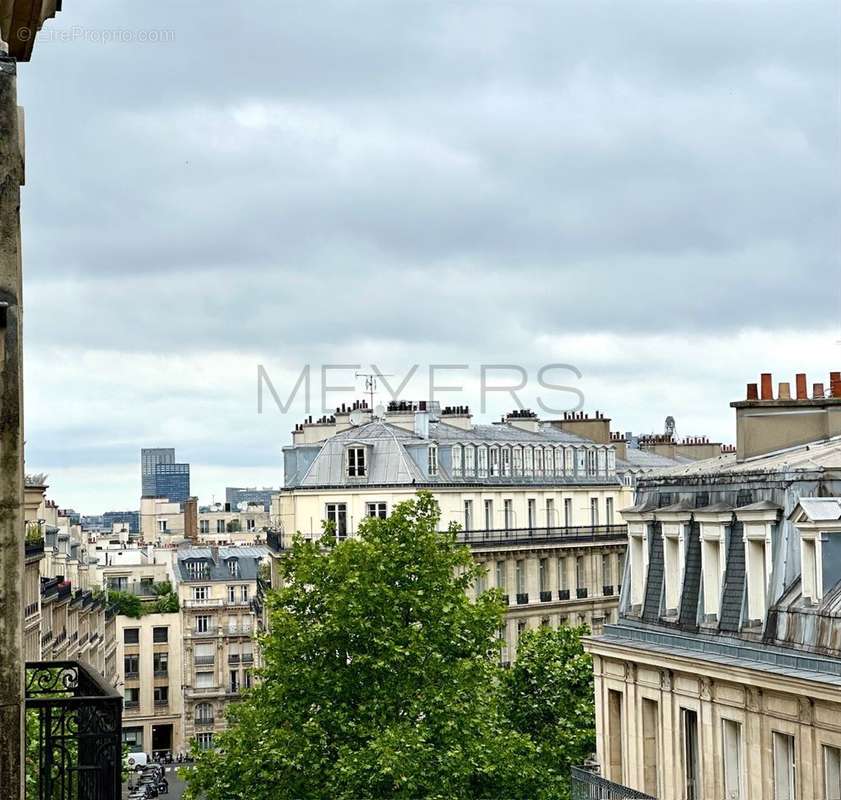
x,y
173,482
149,459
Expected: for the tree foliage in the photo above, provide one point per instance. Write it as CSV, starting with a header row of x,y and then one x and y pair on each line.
x,y
127,604
381,679
548,695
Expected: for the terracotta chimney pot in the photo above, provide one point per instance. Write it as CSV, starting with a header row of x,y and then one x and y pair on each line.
x,y
784,392
802,388
767,386
817,391
753,392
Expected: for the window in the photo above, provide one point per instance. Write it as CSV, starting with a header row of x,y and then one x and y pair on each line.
x,y
233,681
506,461
489,515
376,510
356,462
731,734
569,461
470,460
243,593
563,584
432,454
551,522
784,766
457,469
232,594
468,515
607,577
528,461
580,461
251,524
550,462
494,462
131,695
246,682
220,526
160,663
614,728
233,567
204,526
689,729
538,462
483,462
160,635
591,462
204,741
580,578
532,513
500,575
544,575
517,458
608,508
832,773
337,518
568,512
161,526
650,744
203,624
205,680
131,666
594,511
508,513
482,582
204,713
131,636
520,575
201,592
161,694
133,739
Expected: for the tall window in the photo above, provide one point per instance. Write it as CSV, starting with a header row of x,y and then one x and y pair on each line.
x,y
356,462
494,461
731,737
470,460
203,624
220,526
580,577
432,453
520,575
500,575
204,713
550,462
489,515
594,511
378,510
532,510
551,522
568,512
784,766
544,575
201,592
607,578
508,507
233,681
204,741
131,666
528,461
832,772
518,460
650,743
232,594
591,462
506,461
563,583
608,507
161,526
233,567
614,729
538,462
160,663
689,719
204,526
337,515
457,461
483,461
468,515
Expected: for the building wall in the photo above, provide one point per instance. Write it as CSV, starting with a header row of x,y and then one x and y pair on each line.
x,y
647,737
148,714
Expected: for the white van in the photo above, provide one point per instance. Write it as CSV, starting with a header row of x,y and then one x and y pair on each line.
x,y
137,760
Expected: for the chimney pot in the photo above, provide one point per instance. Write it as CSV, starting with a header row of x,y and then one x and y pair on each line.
x,y
784,392
753,392
767,386
835,389
817,391
802,389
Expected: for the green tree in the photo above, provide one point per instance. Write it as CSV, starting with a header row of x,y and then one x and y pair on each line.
x,y
127,604
166,604
548,695
380,679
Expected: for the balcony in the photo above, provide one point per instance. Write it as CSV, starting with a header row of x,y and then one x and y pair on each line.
x,y
586,785
522,598
581,594
581,533
204,661
208,632
75,720
274,540
200,722
546,597
247,658
160,673
607,591
233,659
563,594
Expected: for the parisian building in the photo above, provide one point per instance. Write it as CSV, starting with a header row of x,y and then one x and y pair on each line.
x,y
538,504
721,678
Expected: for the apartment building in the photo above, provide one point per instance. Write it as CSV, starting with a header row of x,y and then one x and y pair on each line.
x,y
721,678
538,505
217,588
166,523
150,663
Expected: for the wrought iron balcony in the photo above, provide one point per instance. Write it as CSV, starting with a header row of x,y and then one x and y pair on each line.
x,y
581,594
74,725
587,785
545,597
563,594
522,598
579,533
201,721
607,591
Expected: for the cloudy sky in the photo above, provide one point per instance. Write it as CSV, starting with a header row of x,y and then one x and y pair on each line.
x,y
648,191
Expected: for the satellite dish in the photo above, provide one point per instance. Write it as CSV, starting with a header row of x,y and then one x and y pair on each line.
x,y
357,417
379,411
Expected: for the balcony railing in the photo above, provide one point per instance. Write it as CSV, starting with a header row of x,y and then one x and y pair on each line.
x,y
522,598
545,597
607,591
563,594
581,594
580,533
75,719
201,721
204,661
233,658
587,785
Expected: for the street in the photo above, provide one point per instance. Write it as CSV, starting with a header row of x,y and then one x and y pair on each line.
x,y
176,784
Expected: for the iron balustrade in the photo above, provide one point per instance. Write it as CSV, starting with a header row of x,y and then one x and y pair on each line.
x,y
199,721
74,733
581,594
563,594
607,591
545,597
579,533
586,785
522,598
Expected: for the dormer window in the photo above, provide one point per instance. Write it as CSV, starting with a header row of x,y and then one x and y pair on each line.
x,y
233,568
432,454
356,462
469,460
494,462
483,461
518,461
457,460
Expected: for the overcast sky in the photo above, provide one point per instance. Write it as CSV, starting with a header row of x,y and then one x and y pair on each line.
x,y
646,190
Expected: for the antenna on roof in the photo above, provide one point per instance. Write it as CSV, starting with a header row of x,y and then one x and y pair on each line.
x,y
371,383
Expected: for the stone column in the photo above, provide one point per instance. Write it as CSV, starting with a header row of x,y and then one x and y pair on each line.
x,y
11,441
